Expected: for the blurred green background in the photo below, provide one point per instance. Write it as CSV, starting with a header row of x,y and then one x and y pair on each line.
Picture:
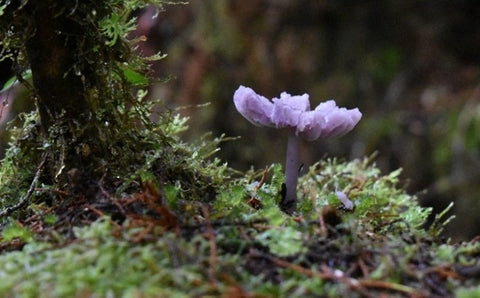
x,y
411,67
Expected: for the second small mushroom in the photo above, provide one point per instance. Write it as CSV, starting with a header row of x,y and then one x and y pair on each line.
x,y
292,112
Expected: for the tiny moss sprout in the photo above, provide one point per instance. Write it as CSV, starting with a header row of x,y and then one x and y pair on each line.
x,y
292,112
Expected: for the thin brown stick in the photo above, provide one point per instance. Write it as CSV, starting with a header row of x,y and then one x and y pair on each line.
x,y
95,210
108,195
326,274
380,284
210,235
323,226
360,286
262,180
23,201
253,201
55,191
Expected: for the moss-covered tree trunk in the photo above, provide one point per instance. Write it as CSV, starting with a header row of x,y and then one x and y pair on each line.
x,y
52,51
56,45
95,136
72,72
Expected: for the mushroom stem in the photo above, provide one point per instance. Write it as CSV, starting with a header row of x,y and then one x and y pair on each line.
x,y
289,203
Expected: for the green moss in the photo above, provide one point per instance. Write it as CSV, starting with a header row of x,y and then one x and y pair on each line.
x,y
15,231
379,205
241,246
101,264
119,149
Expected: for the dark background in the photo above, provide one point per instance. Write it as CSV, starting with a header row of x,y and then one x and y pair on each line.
x,y
411,67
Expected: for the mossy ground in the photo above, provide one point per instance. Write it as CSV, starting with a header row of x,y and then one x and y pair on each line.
x,y
155,242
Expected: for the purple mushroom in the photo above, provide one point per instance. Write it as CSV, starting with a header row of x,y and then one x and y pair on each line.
x,y
293,113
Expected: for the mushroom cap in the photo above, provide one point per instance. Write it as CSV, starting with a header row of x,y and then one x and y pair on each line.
x,y
255,108
288,109
326,120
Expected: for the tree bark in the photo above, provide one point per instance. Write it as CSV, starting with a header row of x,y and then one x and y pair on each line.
x,y
52,50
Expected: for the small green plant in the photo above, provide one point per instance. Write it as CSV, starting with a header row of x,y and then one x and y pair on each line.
x,y
16,231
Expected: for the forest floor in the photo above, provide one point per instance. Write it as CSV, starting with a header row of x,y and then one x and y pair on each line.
x,y
241,244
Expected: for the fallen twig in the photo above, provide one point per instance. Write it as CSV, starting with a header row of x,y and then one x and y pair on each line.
x,y
210,235
327,273
108,195
23,201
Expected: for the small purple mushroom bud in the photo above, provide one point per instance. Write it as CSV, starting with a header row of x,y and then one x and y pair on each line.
x,y
347,204
293,113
